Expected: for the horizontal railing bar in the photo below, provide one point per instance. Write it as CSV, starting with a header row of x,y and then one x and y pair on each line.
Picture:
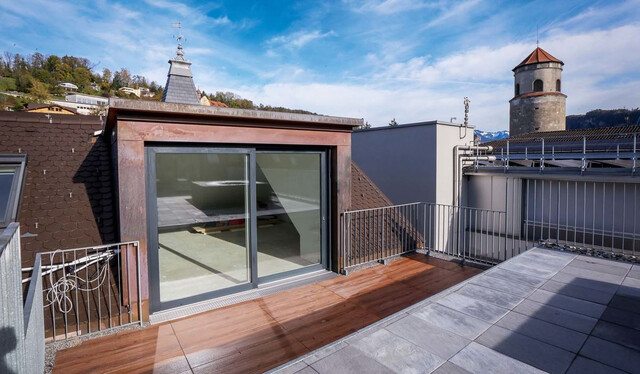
x,y
134,242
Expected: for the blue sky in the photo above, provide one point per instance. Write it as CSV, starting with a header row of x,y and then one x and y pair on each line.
x,y
371,59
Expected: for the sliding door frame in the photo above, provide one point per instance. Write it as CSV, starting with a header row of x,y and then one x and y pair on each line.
x,y
151,151
152,230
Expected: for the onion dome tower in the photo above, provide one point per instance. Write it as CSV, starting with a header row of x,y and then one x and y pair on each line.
x,y
538,103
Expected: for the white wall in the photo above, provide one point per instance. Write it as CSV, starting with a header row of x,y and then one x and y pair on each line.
x,y
412,162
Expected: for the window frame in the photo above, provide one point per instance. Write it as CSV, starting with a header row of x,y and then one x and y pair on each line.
x,y
541,85
19,162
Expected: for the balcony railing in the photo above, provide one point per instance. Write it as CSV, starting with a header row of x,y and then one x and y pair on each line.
x,y
376,234
91,289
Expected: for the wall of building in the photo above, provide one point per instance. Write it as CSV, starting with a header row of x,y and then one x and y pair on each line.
x,y
537,113
548,72
413,162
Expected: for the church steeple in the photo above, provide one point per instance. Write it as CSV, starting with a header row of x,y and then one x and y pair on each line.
x,y
180,87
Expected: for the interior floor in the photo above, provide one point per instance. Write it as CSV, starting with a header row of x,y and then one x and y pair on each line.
x,y
194,263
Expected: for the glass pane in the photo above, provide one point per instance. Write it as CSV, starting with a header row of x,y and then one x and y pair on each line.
x,y
289,214
203,206
6,181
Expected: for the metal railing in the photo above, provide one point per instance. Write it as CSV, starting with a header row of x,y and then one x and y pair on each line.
x,y
91,289
467,233
598,216
21,331
371,235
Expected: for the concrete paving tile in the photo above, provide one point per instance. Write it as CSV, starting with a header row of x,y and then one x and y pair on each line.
x,y
451,320
605,261
543,260
528,350
617,334
553,253
324,352
621,317
592,275
450,368
579,292
546,332
599,266
611,354
307,370
291,369
630,288
568,303
475,308
561,317
534,270
443,343
510,276
490,295
625,303
634,272
583,365
498,284
398,354
578,280
349,360
478,359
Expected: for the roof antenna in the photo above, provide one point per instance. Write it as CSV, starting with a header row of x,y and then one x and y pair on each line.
x,y
179,39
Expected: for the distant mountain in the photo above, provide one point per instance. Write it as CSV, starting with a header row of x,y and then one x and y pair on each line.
x,y
487,136
603,118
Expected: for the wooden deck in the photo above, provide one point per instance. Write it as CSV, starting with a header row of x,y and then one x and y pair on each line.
x,y
261,334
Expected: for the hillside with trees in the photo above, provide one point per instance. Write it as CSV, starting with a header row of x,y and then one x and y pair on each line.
x,y
35,78
603,118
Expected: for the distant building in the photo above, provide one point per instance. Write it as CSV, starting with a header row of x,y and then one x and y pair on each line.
x,y
204,100
129,90
82,103
49,109
538,103
68,86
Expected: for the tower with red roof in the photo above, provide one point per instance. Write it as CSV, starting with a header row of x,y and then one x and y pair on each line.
x,y
538,103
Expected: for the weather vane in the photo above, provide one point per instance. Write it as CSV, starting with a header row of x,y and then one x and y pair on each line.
x,y
179,39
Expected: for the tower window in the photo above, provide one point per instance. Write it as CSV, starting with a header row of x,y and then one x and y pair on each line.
x,y
558,85
517,89
537,85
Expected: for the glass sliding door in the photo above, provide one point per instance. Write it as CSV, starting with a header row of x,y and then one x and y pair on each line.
x,y
203,229
223,220
289,197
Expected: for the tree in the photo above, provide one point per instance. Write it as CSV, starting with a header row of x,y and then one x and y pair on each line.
x,y
393,122
39,91
365,125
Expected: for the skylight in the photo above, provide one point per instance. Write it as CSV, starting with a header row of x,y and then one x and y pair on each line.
x,y
12,169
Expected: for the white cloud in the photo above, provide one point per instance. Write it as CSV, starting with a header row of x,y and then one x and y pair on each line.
x,y
298,39
394,6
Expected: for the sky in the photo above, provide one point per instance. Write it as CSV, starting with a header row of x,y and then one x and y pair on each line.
x,y
373,59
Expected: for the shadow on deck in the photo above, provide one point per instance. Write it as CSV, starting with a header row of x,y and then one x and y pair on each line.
x,y
258,335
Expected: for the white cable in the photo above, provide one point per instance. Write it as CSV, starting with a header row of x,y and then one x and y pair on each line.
x,y
70,282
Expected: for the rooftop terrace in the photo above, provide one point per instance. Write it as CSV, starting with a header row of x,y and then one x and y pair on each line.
x,y
261,334
542,311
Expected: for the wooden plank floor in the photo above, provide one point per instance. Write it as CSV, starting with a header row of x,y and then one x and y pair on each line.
x,y
260,334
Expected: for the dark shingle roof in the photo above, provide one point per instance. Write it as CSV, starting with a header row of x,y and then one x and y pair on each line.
x,y
364,193
72,203
180,87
